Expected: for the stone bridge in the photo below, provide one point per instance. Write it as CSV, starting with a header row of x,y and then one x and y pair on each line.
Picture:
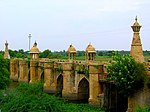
x,y
76,80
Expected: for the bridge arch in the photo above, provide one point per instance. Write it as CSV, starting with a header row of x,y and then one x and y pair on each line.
x,y
59,86
83,90
42,77
29,76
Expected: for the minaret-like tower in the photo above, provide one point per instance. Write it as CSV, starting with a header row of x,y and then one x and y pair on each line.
x,y
6,53
136,47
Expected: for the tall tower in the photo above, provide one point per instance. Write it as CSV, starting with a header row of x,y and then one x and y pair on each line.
x,y
6,53
136,47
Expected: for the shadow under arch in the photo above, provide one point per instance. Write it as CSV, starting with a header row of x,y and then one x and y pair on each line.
x,y
59,85
42,77
83,90
29,76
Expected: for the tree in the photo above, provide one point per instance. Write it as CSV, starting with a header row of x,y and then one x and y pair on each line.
x,y
18,54
4,72
126,73
45,53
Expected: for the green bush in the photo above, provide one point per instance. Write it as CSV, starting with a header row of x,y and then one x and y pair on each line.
x,y
126,73
144,109
28,98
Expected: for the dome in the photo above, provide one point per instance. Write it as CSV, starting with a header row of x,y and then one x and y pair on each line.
x,y
71,49
34,49
136,26
136,23
90,48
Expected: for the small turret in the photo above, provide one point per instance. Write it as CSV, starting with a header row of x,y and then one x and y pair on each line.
x,y
90,53
6,53
34,52
71,53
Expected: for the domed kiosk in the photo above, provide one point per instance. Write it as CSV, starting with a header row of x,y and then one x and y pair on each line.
x,y
90,53
34,52
71,53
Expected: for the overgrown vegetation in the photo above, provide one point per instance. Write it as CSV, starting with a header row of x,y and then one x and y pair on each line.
x,y
4,72
143,109
126,73
83,69
31,98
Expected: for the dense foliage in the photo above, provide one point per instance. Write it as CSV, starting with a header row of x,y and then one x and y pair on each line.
x,y
31,98
48,54
4,72
126,73
18,54
143,109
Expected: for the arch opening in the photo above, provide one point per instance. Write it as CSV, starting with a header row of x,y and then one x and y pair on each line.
x,y
59,85
42,77
83,90
29,76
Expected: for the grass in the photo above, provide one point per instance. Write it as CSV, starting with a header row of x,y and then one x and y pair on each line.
x,y
81,108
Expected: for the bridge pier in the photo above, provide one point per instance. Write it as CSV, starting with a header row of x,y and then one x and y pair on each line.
x,y
69,91
49,83
94,85
14,69
33,71
23,73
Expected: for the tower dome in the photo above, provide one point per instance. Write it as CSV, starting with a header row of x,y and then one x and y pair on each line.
x,y
90,48
71,49
90,53
136,26
34,49
34,52
71,53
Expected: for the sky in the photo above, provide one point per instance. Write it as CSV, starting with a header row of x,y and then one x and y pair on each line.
x,y
55,24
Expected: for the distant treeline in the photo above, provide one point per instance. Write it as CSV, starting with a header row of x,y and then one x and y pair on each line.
x,y
63,54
